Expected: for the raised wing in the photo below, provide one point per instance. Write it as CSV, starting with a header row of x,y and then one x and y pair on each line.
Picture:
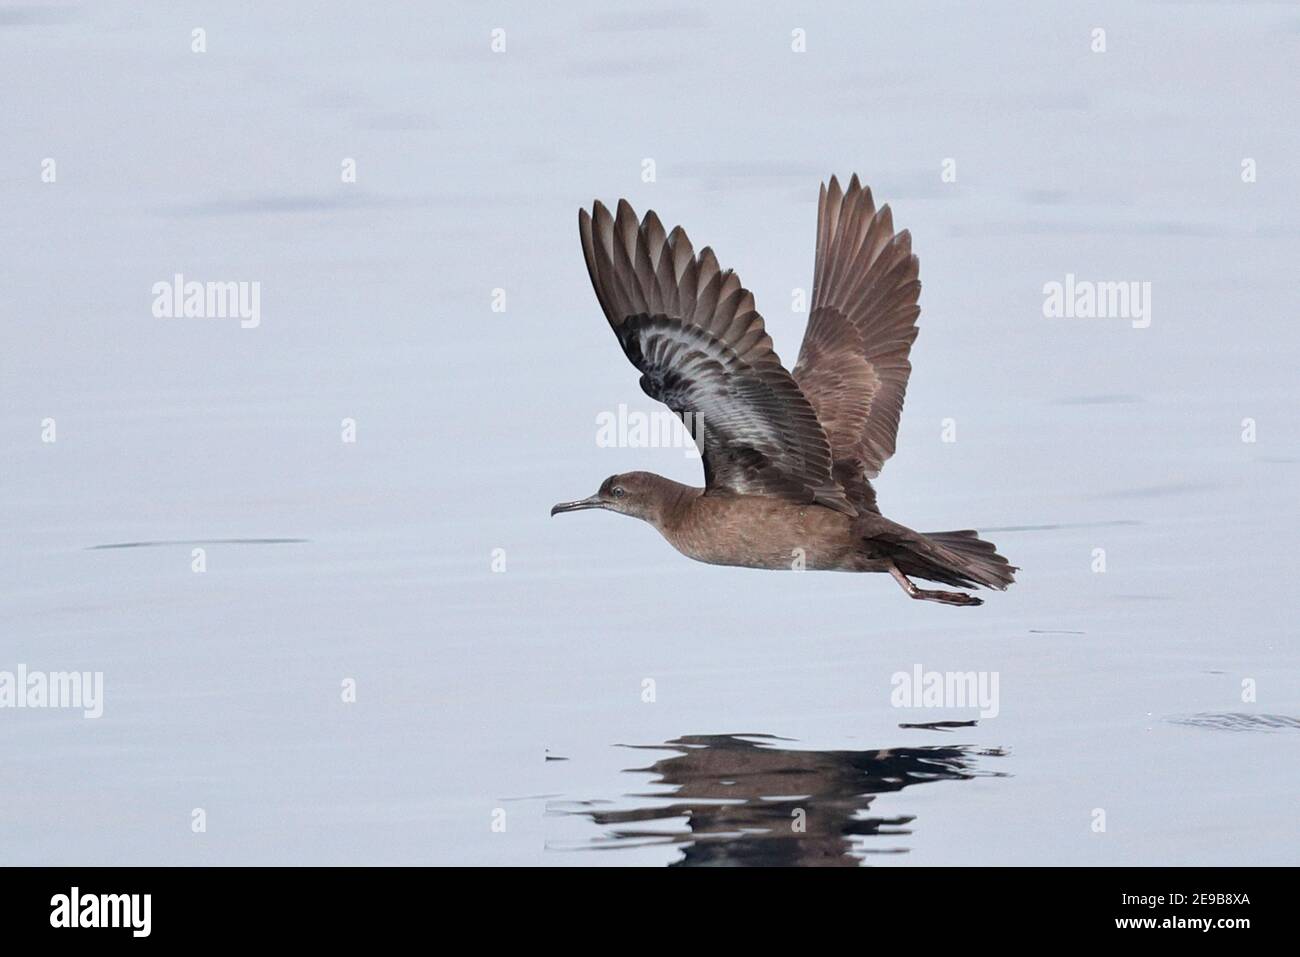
x,y
692,331
853,365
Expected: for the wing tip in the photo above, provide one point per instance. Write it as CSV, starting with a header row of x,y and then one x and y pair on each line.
x,y
624,210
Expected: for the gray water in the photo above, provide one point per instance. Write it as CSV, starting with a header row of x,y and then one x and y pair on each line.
x,y
1126,691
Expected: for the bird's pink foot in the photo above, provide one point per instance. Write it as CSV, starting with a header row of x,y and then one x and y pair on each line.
x,y
923,594
947,597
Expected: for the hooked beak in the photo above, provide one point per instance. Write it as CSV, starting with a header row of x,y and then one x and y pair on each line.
x,y
593,501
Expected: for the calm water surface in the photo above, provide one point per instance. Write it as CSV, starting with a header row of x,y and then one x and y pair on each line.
x,y
572,692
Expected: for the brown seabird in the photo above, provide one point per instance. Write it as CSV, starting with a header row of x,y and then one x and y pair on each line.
x,y
788,457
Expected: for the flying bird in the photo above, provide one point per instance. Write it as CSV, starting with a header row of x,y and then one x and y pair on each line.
x,y
788,455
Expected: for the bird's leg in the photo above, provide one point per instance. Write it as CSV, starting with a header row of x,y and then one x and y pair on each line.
x,y
947,597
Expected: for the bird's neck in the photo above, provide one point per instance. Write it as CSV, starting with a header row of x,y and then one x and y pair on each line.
x,y
675,502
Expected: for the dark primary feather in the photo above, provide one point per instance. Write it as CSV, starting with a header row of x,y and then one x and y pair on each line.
x,y
692,331
853,365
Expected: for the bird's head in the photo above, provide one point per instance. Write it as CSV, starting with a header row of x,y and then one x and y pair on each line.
x,y
642,495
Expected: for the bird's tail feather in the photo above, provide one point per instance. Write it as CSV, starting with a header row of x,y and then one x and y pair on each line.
x,y
963,559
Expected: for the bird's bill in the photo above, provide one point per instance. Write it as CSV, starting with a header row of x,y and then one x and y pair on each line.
x,y
593,501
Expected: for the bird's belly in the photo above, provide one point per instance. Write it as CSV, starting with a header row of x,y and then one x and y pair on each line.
x,y
750,533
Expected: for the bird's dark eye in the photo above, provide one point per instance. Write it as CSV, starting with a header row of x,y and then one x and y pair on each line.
x,y
618,491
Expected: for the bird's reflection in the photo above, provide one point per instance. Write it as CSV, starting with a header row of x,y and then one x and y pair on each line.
x,y
746,800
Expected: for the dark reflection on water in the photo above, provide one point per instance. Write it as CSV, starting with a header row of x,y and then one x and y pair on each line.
x,y
202,541
940,725
1238,721
742,796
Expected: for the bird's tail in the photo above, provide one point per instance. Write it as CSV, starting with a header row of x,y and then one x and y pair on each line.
x,y
959,558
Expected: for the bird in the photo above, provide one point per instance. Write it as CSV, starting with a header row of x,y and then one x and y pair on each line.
x,y
789,455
